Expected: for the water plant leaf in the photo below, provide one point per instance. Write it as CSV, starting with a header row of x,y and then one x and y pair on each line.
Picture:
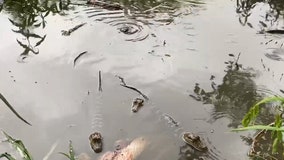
x,y
250,116
12,109
254,111
71,151
65,154
19,145
260,127
71,154
7,155
277,135
276,127
277,142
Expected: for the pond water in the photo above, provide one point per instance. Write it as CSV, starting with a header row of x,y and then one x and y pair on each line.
x,y
203,63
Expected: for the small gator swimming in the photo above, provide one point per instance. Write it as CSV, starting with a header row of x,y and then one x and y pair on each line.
x,y
195,141
96,142
136,104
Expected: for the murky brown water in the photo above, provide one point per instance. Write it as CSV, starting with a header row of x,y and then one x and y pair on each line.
x,y
177,55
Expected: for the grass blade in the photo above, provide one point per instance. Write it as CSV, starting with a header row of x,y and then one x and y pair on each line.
x,y
71,155
65,155
18,144
261,127
8,156
12,109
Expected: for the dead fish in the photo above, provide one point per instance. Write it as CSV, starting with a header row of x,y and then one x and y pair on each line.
x,y
130,152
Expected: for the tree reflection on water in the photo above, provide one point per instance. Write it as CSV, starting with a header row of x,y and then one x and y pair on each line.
x,y
28,15
267,13
234,97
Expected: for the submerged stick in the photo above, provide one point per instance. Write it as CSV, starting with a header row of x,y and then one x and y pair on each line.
x,y
275,31
124,85
76,59
12,109
68,32
100,82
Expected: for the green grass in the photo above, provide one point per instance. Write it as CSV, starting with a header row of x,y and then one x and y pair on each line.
x,y
22,150
19,146
277,128
71,154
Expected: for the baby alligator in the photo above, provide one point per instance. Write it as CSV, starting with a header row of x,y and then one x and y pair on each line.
x,y
96,142
136,104
194,141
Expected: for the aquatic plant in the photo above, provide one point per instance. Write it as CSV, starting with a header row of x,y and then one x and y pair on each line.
x,y
19,146
71,154
22,150
7,155
276,127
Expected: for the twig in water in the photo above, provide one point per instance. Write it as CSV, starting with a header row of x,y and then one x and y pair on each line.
x,y
12,109
68,32
171,120
76,59
151,9
124,85
100,82
122,81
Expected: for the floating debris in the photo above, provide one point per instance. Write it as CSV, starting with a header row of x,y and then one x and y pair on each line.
x,y
170,120
275,31
100,82
124,85
167,55
76,59
68,32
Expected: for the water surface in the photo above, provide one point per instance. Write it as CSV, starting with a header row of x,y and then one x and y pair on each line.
x,y
204,63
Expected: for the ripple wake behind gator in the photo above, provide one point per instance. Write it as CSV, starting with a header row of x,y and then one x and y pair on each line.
x,y
209,153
